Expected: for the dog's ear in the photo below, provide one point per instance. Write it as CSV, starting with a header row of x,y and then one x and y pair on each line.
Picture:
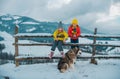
x,y
72,51
76,50
76,47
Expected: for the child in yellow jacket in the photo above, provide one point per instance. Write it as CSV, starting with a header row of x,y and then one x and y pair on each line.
x,y
60,36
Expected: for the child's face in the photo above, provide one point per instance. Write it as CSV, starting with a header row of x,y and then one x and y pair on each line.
x,y
74,25
60,29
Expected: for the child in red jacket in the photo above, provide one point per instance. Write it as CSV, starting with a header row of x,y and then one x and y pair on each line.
x,y
74,32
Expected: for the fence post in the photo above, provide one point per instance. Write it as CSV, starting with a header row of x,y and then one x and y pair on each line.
x,y
94,48
16,46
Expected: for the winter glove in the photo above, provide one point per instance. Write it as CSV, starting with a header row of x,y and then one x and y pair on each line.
x,y
56,39
64,40
74,36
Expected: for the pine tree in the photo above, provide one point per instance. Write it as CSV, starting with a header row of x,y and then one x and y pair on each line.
x,y
2,46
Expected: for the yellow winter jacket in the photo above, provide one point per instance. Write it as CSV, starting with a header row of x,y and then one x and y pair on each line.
x,y
60,35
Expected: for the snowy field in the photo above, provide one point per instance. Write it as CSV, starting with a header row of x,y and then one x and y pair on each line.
x,y
106,69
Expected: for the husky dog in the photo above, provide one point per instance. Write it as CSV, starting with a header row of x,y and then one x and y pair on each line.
x,y
69,60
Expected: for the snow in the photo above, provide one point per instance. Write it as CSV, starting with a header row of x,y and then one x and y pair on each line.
x,y
33,34
10,17
17,25
5,25
31,50
6,18
116,42
106,69
31,29
36,50
17,22
6,36
83,40
16,17
8,41
0,22
9,28
30,23
115,51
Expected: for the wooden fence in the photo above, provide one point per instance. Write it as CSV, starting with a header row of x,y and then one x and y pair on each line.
x,y
17,36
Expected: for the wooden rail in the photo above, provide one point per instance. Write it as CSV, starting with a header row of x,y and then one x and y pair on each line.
x,y
38,35
79,57
66,44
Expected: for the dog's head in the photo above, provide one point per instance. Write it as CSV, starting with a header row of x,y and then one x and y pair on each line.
x,y
76,50
71,54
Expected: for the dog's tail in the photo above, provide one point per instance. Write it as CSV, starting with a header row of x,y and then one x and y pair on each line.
x,y
65,67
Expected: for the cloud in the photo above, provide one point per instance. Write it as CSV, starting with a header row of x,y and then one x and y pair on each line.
x,y
56,4
53,9
115,9
109,27
110,22
113,12
90,13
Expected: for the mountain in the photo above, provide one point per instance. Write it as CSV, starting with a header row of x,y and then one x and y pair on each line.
x,y
1,38
29,25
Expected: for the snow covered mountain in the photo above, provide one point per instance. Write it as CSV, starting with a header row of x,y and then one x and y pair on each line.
x,y
8,41
29,25
8,22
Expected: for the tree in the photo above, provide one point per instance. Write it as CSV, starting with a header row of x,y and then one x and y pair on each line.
x,y
2,46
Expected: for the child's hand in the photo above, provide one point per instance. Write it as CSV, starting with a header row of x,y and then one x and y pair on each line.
x,y
64,40
56,39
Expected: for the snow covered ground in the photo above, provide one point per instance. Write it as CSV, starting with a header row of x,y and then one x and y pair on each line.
x,y
106,69
8,41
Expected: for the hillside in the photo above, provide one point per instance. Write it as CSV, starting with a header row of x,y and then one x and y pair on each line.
x,y
29,25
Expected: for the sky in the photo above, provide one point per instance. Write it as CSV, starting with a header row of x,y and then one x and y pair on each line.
x,y
101,14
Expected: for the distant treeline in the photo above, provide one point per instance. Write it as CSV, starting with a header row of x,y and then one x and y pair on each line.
x,y
5,55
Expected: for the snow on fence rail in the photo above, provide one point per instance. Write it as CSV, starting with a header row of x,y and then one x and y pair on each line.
x,y
67,44
27,35
45,35
36,35
78,57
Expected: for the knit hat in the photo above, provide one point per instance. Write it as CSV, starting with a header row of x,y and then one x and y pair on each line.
x,y
75,21
60,25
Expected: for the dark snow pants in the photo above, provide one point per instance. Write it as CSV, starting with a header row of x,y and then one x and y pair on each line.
x,y
57,44
74,41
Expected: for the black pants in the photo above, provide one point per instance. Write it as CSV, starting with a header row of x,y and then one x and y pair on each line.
x,y
74,41
57,44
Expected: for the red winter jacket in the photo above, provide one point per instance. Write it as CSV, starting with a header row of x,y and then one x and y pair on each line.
x,y
74,31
